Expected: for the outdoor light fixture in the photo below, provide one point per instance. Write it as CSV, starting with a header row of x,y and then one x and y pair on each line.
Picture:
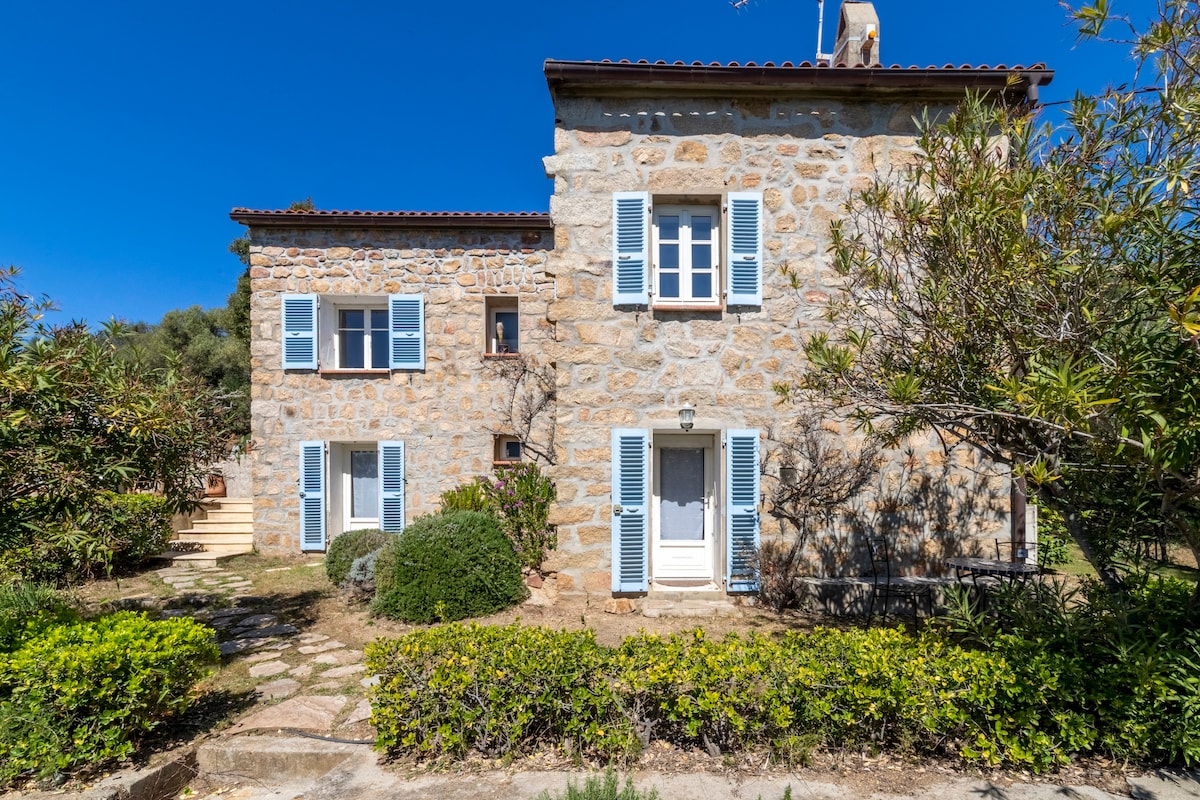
x,y
686,415
787,476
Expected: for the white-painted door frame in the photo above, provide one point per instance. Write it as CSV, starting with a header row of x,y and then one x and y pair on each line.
x,y
676,559
347,449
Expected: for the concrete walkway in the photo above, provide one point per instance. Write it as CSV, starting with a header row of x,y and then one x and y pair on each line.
x,y
320,686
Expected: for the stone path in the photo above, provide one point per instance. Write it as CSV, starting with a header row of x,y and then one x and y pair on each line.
x,y
318,679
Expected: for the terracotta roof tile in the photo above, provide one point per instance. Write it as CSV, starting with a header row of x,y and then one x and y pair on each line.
x,y
805,77
512,220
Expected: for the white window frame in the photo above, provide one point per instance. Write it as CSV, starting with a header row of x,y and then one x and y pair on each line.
x,y
685,211
329,330
368,333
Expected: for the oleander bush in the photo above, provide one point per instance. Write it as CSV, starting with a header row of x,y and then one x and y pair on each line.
x,y
115,531
1126,663
348,546
83,693
447,566
467,497
519,498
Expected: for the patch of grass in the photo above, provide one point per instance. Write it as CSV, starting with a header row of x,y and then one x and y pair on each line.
x,y
1076,565
605,787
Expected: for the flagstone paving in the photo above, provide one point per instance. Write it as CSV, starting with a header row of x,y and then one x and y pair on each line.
x,y
318,679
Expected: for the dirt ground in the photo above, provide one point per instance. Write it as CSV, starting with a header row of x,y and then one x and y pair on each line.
x,y
298,592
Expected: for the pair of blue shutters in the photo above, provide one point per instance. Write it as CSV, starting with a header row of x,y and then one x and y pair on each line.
x,y
406,331
631,527
314,489
743,249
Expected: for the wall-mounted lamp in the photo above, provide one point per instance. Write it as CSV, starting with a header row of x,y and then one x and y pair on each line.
x,y
787,476
686,415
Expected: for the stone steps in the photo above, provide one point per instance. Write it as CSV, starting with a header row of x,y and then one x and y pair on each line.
x,y
227,529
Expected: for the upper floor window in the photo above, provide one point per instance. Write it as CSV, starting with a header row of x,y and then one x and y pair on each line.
x,y
686,255
362,338
670,254
502,322
345,332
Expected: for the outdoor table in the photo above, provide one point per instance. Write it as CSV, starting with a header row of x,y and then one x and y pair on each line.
x,y
974,566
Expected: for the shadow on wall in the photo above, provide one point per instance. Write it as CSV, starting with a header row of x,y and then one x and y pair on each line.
x,y
927,511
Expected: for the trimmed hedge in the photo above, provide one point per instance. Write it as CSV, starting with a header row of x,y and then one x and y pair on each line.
x,y
511,690
447,566
83,693
349,546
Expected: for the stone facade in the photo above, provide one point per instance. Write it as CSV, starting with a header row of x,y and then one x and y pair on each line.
x,y
623,368
802,138
446,415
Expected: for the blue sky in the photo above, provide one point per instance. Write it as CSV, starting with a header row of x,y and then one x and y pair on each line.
x,y
132,128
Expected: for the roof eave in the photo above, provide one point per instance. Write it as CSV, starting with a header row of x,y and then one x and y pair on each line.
x,y
393,220
586,77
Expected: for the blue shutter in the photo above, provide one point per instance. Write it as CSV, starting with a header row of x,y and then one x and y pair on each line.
x,y
631,510
299,331
312,495
744,252
391,486
631,248
741,510
406,319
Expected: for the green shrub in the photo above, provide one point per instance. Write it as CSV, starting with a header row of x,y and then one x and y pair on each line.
x,y
351,545
25,608
520,497
117,531
451,690
446,567
82,693
468,497
506,691
1053,537
1117,670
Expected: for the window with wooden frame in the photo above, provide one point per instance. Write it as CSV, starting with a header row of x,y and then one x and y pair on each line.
x,y
506,450
502,326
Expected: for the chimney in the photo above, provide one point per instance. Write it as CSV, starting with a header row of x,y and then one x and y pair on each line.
x,y
857,42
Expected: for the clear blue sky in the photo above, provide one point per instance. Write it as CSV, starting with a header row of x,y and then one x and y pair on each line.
x,y
132,128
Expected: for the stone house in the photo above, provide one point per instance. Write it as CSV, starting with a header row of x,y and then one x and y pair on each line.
x,y
398,354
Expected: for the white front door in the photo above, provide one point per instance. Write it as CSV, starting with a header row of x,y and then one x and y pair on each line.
x,y
683,508
360,488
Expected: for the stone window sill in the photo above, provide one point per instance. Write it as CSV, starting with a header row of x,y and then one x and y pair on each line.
x,y
354,371
505,463
501,355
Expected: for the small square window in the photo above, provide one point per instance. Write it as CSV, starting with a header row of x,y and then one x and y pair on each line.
x,y
686,261
507,450
502,326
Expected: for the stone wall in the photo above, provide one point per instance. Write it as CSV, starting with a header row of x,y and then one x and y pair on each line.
x,y
446,415
635,368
